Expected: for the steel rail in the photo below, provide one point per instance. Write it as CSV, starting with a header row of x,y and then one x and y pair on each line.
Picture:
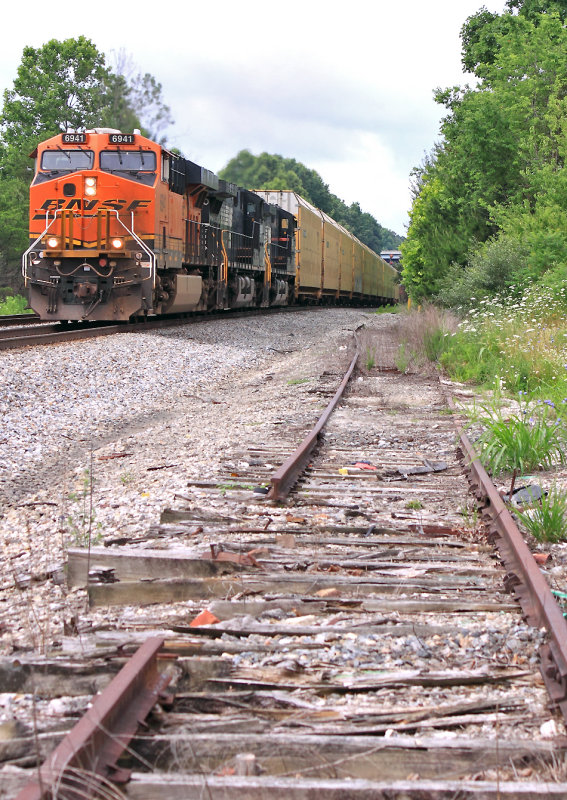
x,y
524,577
29,330
31,338
285,477
17,319
91,749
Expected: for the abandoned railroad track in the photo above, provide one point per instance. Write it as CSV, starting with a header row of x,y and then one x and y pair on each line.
x,y
353,640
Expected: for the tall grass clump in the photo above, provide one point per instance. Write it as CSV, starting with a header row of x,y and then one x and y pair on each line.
x,y
546,520
423,335
14,304
529,439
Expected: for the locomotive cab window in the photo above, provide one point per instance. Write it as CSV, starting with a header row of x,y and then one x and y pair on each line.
x,y
66,160
138,165
128,160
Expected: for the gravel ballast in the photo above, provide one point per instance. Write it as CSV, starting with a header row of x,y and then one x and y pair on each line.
x,y
176,399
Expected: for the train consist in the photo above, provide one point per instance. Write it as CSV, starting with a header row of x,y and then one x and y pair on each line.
x,y
122,228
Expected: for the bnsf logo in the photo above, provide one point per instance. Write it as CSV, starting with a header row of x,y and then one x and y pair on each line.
x,y
76,204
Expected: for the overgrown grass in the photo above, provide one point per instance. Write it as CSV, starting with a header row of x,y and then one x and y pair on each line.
x,y
517,343
546,520
523,342
14,304
423,337
390,309
531,438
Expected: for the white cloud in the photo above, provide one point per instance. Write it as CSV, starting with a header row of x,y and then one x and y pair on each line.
x,y
346,89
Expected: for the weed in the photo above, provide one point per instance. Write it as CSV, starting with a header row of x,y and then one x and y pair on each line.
x,y
403,358
471,517
434,343
522,441
424,336
388,309
225,487
76,528
79,525
520,336
414,505
547,520
297,381
126,478
370,358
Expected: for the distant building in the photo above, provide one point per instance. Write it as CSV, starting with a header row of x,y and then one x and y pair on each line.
x,y
393,257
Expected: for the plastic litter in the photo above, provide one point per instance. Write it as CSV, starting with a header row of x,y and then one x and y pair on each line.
x,y
204,618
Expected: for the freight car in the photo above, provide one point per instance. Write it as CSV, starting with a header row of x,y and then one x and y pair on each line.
x,y
331,263
122,228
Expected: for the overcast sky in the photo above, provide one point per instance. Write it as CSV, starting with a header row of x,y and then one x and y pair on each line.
x,y
347,88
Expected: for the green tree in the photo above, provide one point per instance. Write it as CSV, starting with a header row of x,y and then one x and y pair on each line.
x,y
499,168
278,173
60,86
145,97
533,9
136,99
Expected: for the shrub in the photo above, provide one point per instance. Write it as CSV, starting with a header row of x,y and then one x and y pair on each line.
x,y
14,304
492,268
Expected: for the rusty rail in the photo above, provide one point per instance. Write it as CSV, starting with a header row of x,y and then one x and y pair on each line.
x,y
524,578
284,478
87,756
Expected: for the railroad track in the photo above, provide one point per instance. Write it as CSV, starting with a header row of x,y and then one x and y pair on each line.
x,y
355,640
17,319
44,333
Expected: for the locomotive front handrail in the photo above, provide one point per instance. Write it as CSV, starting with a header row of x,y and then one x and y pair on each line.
x,y
31,247
129,231
144,247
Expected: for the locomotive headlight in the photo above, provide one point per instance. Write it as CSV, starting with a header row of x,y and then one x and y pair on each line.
x,y
52,242
117,244
90,186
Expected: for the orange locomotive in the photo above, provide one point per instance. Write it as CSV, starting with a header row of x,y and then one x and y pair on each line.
x,y
121,227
